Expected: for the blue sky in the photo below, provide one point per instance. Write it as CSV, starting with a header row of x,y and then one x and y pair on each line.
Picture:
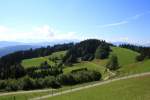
x,y
52,20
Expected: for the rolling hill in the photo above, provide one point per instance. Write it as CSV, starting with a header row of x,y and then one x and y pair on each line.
x,y
127,88
126,58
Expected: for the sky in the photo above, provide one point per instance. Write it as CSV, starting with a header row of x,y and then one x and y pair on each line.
x,y
53,20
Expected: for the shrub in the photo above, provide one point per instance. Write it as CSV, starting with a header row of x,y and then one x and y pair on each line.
x,y
28,83
88,57
3,84
102,52
140,58
113,62
12,85
79,77
81,69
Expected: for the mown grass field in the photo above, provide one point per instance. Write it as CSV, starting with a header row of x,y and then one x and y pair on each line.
x,y
129,89
37,61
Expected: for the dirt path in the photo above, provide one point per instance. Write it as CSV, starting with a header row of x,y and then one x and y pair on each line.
x,y
89,86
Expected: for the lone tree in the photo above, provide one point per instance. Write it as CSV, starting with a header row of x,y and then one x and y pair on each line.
x,y
113,62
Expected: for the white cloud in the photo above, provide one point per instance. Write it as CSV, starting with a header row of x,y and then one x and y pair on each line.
x,y
114,24
125,21
4,29
125,39
38,34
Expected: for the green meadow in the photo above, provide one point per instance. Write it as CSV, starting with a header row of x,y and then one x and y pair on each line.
x,y
129,89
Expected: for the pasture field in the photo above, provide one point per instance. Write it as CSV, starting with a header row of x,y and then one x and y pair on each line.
x,y
130,89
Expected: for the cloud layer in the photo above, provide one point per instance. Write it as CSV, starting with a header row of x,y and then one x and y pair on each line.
x,y
38,34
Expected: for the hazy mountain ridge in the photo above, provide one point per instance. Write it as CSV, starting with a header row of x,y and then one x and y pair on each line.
x,y
11,49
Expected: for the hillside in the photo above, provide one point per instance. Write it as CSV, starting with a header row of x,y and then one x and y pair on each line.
x,y
120,90
78,71
125,56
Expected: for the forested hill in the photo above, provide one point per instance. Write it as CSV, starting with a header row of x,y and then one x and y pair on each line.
x,y
85,50
15,58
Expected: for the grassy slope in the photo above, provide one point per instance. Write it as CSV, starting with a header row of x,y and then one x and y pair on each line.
x,y
125,56
127,61
120,90
37,61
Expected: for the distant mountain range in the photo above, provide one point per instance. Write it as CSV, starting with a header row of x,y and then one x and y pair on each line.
x,y
7,47
11,49
7,44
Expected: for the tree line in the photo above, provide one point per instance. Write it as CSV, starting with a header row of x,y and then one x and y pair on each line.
x,y
28,83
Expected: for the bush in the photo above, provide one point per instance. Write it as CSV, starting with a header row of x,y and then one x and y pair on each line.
x,y
113,62
3,84
79,77
12,85
102,52
28,83
140,58
88,57
50,81
81,69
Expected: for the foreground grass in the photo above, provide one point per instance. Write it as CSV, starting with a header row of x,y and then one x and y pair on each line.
x,y
129,89
24,96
